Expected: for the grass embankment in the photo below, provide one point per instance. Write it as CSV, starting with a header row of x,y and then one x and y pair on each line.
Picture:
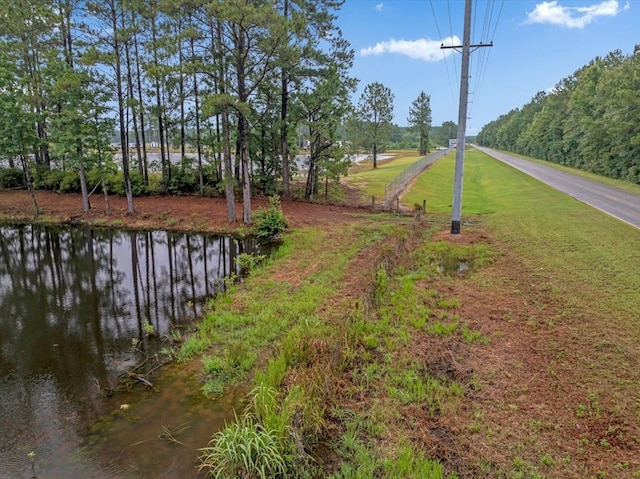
x,y
620,184
594,256
582,276
372,182
399,351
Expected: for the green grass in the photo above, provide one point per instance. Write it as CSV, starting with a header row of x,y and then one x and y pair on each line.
x,y
594,256
435,186
372,182
620,184
579,251
245,319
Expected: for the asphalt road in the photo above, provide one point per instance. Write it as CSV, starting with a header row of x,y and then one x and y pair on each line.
x,y
612,201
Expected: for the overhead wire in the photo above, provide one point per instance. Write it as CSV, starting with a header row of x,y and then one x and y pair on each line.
x,y
485,53
455,63
444,55
477,61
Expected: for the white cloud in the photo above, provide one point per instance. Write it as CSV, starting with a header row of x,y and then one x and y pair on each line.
x,y
421,49
379,7
573,17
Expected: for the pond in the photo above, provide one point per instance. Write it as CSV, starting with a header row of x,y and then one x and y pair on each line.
x,y
77,307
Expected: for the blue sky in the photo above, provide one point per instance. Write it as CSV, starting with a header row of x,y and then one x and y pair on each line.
x,y
535,45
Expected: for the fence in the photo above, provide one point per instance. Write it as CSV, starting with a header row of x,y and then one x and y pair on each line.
x,y
396,185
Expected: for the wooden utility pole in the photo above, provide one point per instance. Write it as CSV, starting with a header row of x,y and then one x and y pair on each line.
x,y
462,115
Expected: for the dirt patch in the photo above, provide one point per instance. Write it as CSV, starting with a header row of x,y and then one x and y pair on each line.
x,y
538,399
194,213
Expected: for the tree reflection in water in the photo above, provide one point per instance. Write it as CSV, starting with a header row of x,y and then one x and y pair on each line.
x,y
71,302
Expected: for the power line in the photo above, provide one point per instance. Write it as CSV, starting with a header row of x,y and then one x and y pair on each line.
x,y
483,62
444,56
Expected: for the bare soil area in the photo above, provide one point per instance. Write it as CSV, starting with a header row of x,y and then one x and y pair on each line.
x,y
193,213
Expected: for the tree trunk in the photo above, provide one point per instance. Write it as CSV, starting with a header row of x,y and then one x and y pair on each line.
x,y
27,177
163,159
121,108
197,119
375,156
229,180
243,130
145,160
103,184
284,125
311,186
226,141
86,205
134,116
183,135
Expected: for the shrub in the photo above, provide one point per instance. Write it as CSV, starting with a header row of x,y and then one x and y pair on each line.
x,y
115,184
248,262
183,180
11,178
48,179
270,222
70,182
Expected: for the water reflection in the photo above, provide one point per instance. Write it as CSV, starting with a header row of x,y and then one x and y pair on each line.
x,y
71,301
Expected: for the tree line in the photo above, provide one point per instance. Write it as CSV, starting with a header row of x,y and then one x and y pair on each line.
x,y
590,120
231,86
230,81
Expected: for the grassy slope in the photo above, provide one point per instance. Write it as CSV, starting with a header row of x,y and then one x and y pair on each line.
x,y
623,185
596,255
357,374
372,182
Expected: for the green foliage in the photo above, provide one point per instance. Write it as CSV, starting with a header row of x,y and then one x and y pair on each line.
x,y
115,184
420,119
373,115
244,449
70,183
11,178
270,222
410,463
47,179
412,386
226,368
184,179
590,121
274,374
248,262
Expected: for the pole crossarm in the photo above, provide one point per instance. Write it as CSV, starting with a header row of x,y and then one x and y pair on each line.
x,y
472,48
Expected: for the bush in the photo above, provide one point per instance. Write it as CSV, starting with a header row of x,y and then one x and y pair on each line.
x,y
69,183
184,180
48,179
115,184
11,178
270,222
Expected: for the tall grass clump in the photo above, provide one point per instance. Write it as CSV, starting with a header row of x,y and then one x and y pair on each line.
x,y
244,449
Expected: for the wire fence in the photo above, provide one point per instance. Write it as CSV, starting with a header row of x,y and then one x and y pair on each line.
x,y
399,183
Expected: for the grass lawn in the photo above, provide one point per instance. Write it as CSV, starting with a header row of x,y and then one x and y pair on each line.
x,y
372,182
623,185
597,254
508,351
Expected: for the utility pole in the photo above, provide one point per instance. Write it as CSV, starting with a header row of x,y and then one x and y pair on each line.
x,y
462,115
